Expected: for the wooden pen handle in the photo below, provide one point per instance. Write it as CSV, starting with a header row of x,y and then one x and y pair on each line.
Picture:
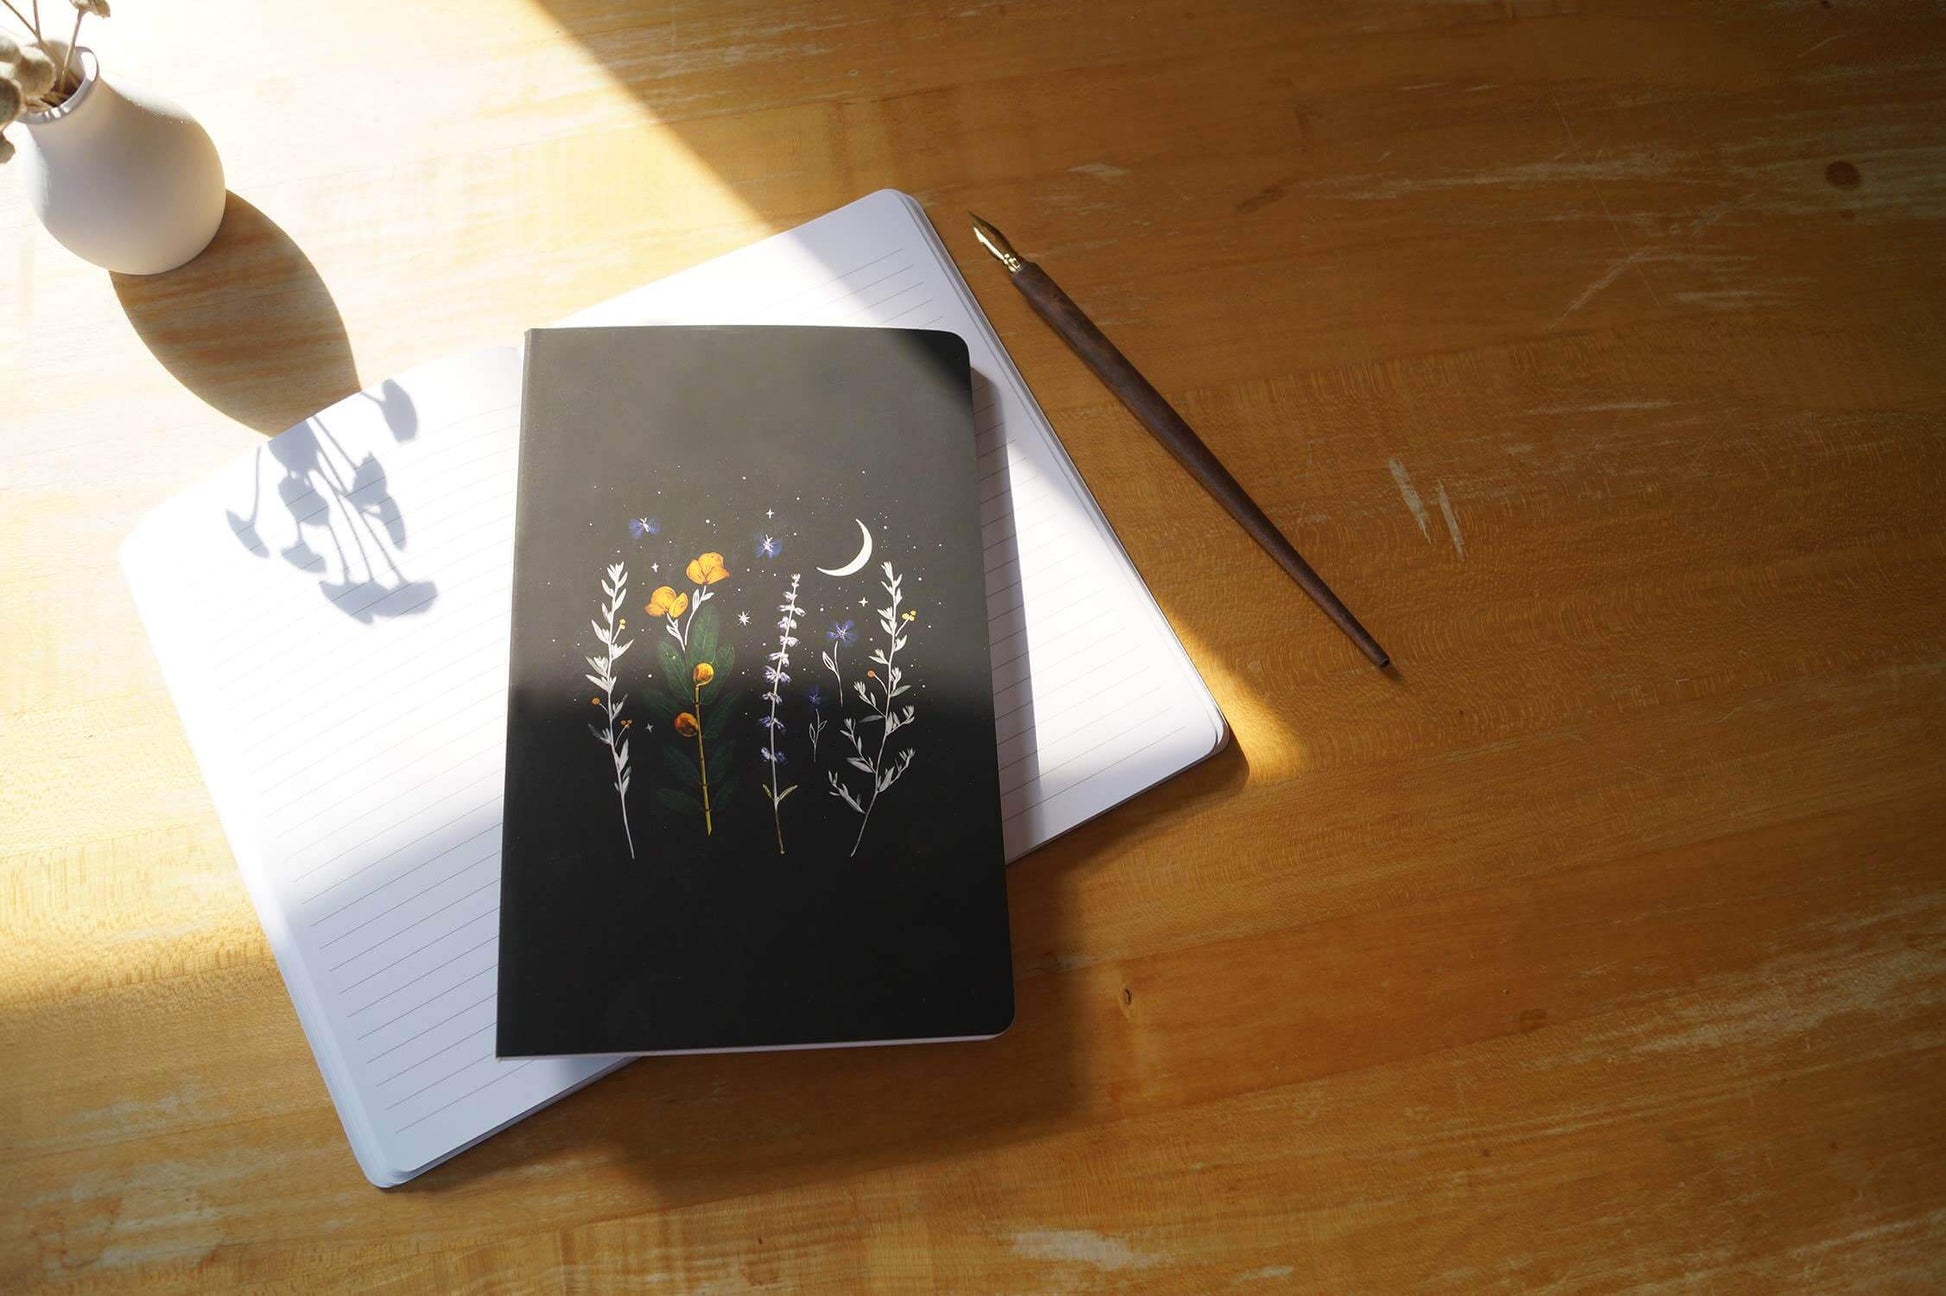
x,y
1168,427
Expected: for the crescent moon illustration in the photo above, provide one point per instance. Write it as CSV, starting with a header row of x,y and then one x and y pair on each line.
x,y
864,555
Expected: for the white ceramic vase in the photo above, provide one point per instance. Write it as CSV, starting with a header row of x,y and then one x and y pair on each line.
x,y
122,177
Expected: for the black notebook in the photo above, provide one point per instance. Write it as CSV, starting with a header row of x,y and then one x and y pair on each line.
x,y
752,782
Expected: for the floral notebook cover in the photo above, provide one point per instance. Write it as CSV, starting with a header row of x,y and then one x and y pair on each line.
x,y
752,789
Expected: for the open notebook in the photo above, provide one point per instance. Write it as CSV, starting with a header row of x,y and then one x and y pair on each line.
x,y
332,617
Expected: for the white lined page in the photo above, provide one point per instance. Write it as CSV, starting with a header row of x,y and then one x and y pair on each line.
x,y
336,639
340,664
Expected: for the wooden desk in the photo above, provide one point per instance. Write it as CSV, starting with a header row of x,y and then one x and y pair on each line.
x,y
1595,357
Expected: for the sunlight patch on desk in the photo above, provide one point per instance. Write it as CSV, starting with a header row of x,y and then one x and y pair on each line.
x,y
1274,749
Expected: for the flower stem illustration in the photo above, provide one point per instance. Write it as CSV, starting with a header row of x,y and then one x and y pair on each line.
x,y
691,650
613,732
776,675
815,730
841,634
881,774
691,722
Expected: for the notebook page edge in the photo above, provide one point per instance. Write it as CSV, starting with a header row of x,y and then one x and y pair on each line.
x,y
1219,727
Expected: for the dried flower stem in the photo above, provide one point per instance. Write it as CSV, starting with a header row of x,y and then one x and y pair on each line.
x,y
32,25
61,77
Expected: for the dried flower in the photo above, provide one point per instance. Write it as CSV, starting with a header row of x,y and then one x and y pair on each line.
x,y
666,602
686,725
707,569
703,673
6,150
10,100
33,72
99,8
9,49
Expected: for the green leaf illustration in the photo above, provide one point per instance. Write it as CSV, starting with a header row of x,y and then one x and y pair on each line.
x,y
702,636
677,801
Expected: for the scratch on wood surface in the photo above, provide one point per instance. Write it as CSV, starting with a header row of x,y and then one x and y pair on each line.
x,y
1099,170
1267,1272
1452,518
1821,44
1789,999
1411,497
1607,277
1598,408
1082,1246
1265,196
1526,175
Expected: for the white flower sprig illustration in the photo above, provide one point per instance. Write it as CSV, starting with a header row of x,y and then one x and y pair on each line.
x,y
881,773
776,675
613,732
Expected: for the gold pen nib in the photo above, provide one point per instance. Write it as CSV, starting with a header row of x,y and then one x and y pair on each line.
x,y
995,242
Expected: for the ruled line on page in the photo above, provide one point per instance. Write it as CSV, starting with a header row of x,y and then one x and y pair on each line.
x,y
448,577
417,950
801,311
381,709
381,944
469,866
453,708
467,1038
423,1031
390,754
1046,796
394,852
518,1067
428,972
494,423
381,772
467,1065
491,967
494,828
495,429
487,998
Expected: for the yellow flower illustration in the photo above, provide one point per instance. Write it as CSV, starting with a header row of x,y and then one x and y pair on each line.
x,y
703,674
686,725
666,602
707,569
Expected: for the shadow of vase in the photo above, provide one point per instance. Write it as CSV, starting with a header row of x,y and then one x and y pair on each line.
x,y
248,325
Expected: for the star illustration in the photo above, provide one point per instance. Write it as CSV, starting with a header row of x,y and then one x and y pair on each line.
x,y
655,567
770,513
743,618
861,602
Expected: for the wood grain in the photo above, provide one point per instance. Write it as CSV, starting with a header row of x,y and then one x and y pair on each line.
x,y
1160,419
1593,350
